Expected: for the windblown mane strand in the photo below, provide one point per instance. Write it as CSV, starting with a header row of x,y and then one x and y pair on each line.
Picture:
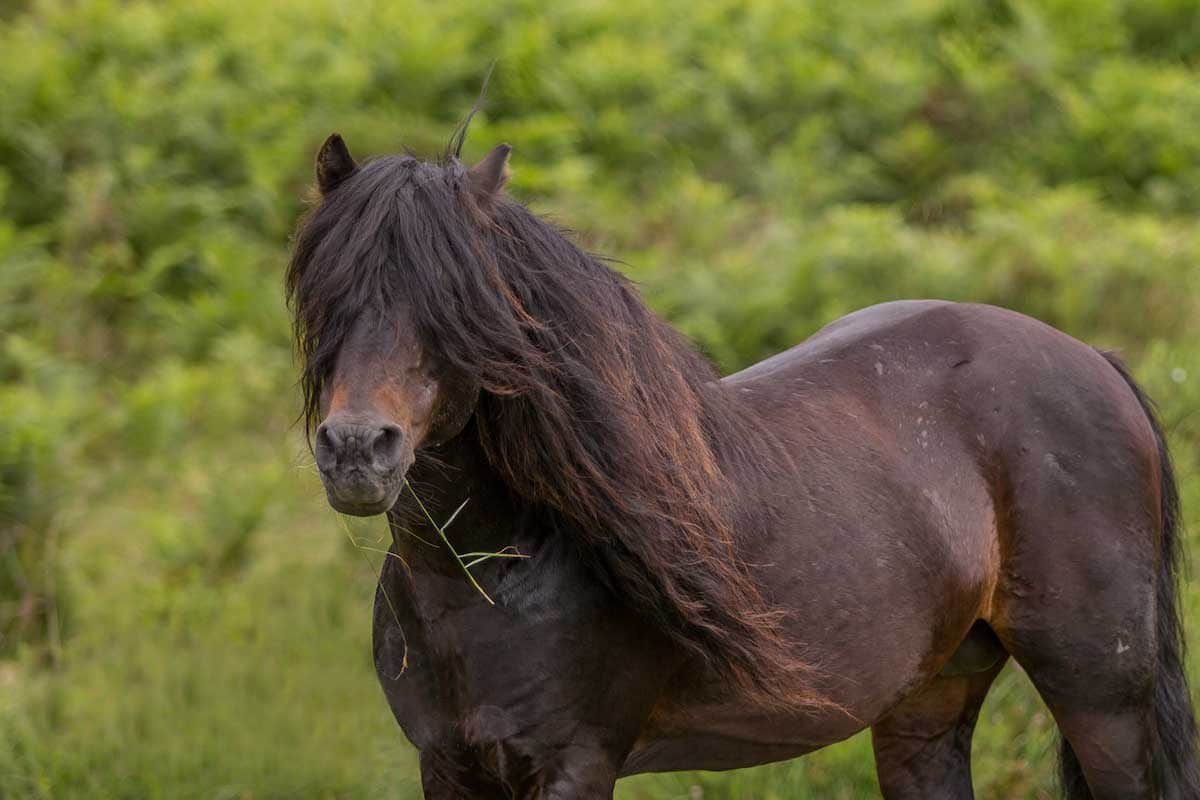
x,y
590,403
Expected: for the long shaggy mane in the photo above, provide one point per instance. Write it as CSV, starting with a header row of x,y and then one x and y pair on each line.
x,y
590,404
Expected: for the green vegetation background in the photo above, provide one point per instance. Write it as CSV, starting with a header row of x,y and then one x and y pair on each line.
x,y
181,616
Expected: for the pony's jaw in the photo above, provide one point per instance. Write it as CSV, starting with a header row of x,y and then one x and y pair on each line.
x,y
361,504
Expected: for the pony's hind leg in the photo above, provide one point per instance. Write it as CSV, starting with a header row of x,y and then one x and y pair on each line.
x,y
923,746
1075,607
1085,636
1100,691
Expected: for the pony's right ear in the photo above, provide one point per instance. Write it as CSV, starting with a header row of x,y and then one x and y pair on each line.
x,y
489,175
334,164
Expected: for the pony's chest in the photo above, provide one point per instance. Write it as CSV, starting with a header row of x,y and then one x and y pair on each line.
x,y
461,673
449,661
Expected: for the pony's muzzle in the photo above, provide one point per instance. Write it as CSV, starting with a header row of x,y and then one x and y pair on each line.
x,y
362,462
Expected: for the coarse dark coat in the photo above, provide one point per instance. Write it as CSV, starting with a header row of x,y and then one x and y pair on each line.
x,y
716,573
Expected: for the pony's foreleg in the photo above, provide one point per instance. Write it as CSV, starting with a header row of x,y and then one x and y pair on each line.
x,y
581,775
445,778
923,747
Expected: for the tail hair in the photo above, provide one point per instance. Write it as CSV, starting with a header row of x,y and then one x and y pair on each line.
x,y
1176,769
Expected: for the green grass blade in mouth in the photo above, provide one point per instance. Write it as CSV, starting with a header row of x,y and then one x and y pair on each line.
x,y
477,558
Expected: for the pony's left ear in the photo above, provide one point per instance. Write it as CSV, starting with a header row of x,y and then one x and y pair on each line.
x,y
489,175
334,163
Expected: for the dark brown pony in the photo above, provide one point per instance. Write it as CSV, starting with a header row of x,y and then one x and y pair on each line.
x,y
719,573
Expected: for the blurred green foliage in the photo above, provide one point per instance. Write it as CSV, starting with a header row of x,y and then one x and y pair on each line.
x,y
179,614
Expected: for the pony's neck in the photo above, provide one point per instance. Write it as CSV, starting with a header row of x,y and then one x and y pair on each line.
x,y
595,408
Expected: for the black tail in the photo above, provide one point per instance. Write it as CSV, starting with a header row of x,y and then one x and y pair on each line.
x,y
1177,772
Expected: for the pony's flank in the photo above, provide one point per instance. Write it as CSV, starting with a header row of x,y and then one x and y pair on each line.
x,y
590,404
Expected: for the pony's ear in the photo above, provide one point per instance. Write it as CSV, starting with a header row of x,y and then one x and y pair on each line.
x,y
489,175
334,163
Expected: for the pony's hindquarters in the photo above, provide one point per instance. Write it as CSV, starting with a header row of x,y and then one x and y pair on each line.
x,y
1086,600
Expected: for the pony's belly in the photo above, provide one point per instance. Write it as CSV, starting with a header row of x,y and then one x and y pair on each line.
x,y
707,753
732,738
703,728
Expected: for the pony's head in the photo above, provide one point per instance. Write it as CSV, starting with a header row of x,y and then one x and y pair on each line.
x,y
375,389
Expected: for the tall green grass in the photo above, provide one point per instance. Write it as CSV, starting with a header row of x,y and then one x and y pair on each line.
x,y
180,614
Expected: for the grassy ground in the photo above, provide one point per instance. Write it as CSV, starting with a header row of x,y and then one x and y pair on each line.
x,y
181,616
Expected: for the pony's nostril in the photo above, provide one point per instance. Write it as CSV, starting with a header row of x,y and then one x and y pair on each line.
x,y
326,447
387,447
342,445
